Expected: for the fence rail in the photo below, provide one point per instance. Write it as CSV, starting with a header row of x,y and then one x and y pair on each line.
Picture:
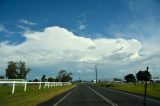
x,y
46,84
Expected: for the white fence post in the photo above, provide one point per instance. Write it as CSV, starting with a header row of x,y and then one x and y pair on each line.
x,y
48,84
25,87
51,84
13,87
44,85
40,85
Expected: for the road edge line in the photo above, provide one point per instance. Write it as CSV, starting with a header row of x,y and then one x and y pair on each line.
x,y
103,97
127,93
63,98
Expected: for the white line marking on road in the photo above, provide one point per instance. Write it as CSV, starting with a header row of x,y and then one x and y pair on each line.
x,y
130,94
62,98
104,98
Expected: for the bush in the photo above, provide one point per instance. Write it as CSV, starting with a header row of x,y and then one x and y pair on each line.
x,y
105,85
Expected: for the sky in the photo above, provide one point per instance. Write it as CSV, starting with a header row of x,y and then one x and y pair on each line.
x,y
118,36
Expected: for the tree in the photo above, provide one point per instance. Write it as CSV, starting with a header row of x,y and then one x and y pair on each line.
x,y
130,78
143,76
50,79
117,79
43,79
11,71
63,76
35,80
2,77
56,79
17,70
139,75
22,70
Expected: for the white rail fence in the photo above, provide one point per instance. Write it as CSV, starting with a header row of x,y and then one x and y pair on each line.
x,y
46,84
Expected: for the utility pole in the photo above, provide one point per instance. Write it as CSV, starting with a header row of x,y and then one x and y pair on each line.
x,y
79,78
145,89
96,73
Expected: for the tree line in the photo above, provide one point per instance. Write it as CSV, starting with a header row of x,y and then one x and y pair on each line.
x,y
18,70
140,76
63,76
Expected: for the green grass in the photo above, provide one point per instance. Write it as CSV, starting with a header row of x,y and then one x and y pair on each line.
x,y
31,97
136,88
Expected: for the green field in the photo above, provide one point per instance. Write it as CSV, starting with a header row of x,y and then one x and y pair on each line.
x,y
136,88
31,97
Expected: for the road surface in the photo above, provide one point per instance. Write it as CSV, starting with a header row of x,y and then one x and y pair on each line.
x,y
87,95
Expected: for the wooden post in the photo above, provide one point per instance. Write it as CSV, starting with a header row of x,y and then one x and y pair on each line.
x,y
13,87
145,89
154,82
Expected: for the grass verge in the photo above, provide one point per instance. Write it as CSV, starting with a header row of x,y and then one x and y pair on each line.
x,y
31,97
136,88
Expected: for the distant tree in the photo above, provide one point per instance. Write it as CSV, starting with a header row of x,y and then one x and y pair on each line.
x,y
50,79
130,78
63,76
56,79
11,71
30,81
22,70
2,77
117,79
143,75
35,80
43,79
79,80
139,75
17,70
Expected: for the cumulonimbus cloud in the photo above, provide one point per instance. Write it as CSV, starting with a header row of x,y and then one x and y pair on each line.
x,y
55,45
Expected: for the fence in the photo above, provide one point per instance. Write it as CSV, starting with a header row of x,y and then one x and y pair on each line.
x,y
46,84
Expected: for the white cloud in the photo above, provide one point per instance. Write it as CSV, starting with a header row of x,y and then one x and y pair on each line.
x,y
57,45
4,29
23,27
82,20
82,27
27,22
144,26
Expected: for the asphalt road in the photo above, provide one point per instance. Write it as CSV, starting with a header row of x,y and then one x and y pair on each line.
x,y
87,95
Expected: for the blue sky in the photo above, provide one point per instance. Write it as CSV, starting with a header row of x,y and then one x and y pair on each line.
x,y
134,20
97,15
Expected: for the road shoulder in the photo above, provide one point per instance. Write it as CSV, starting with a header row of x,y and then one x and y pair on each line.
x,y
55,99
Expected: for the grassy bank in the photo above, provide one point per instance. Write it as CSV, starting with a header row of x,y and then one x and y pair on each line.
x,y
31,97
136,88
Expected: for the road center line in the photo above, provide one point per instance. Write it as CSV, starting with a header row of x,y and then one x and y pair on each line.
x,y
104,98
63,98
